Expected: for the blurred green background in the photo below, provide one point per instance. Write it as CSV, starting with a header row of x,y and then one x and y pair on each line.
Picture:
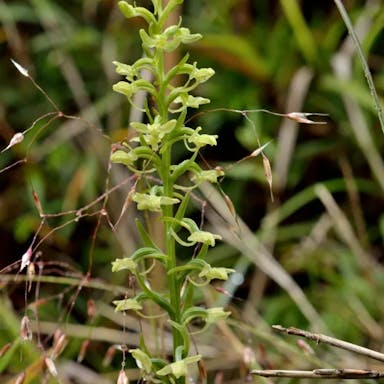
x,y
324,230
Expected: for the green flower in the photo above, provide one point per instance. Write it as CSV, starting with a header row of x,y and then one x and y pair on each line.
x,y
211,273
196,234
186,37
204,237
126,263
190,101
215,314
179,368
201,75
127,304
130,88
127,89
125,70
210,175
122,157
154,133
152,202
130,11
201,140
169,39
164,41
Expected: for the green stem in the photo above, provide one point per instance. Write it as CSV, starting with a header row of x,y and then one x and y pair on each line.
x,y
168,211
174,286
174,289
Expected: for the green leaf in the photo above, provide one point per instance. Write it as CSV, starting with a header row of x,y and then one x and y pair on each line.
x,y
144,235
143,361
148,252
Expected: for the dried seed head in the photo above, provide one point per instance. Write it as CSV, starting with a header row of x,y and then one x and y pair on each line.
x,y
91,308
50,366
257,151
59,344
219,378
202,371
37,201
26,259
229,204
249,358
109,355
301,117
123,378
56,335
25,329
16,139
20,68
268,173
31,272
20,378
83,351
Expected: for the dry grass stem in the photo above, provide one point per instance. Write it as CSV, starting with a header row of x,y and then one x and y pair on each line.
x,y
320,338
325,373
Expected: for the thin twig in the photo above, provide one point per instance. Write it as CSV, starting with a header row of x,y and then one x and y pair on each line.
x,y
319,338
324,373
363,61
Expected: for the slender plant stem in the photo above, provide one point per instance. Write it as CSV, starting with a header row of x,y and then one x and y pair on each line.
x,y
363,61
75,281
174,289
320,338
322,373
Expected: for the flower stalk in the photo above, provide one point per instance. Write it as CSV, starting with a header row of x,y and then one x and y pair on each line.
x,y
149,153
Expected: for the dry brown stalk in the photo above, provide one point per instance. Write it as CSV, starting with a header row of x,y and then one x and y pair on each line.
x,y
325,373
319,338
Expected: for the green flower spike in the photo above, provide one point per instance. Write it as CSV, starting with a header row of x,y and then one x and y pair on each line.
x,y
156,138
179,368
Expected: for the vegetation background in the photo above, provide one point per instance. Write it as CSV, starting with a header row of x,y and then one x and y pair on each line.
x,y
319,265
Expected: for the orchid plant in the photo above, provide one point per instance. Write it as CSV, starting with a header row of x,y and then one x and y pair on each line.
x,y
167,187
